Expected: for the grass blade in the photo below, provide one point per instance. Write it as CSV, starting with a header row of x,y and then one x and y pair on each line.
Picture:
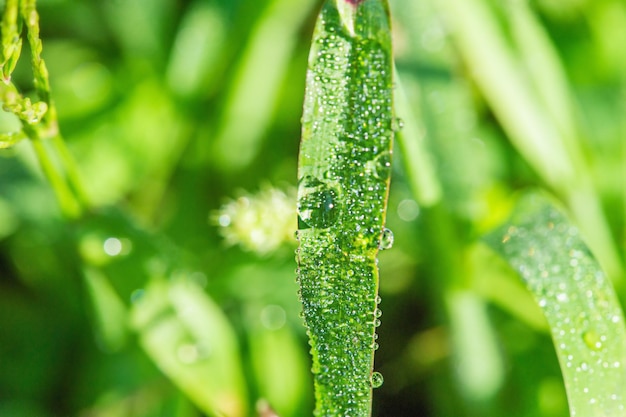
x,y
538,132
344,170
578,301
133,274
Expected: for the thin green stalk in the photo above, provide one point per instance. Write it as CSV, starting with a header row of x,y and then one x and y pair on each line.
x,y
67,201
71,171
38,119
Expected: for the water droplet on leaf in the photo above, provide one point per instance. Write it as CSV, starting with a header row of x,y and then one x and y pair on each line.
x,y
377,380
592,340
397,124
386,240
382,166
318,203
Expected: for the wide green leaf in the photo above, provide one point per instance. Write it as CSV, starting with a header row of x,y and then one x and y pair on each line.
x,y
344,170
578,301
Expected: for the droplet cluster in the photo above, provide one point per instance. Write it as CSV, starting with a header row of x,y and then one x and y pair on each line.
x,y
578,301
344,171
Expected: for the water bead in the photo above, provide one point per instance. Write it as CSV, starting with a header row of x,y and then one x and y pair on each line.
x,y
318,203
377,379
386,240
592,339
397,124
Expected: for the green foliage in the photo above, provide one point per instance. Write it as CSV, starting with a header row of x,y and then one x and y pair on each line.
x,y
343,178
585,318
148,158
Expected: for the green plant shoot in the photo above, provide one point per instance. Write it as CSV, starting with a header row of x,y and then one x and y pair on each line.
x,y
577,300
344,170
38,119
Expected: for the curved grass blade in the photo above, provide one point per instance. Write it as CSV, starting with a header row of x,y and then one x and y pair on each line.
x,y
133,274
344,170
578,301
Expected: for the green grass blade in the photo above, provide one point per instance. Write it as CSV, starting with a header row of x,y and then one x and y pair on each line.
x,y
538,132
420,172
496,71
578,301
254,93
189,338
181,329
344,170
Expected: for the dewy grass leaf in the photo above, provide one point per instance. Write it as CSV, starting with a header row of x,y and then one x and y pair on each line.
x,y
344,170
578,301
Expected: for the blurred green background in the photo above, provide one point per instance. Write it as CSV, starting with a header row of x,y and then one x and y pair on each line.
x,y
176,296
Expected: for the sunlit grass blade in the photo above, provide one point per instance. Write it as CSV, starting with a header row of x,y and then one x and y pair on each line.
x,y
188,337
344,170
256,83
519,101
580,305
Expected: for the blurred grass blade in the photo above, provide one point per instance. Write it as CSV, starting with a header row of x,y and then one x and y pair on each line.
x,y
179,326
109,313
195,54
421,174
478,366
578,301
496,71
280,364
545,70
256,83
191,341
344,170
524,115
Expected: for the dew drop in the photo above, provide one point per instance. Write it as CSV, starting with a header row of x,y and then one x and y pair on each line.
x,y
378,312
382,166
386,240
318,203
397,124
377,379
592,340
378,299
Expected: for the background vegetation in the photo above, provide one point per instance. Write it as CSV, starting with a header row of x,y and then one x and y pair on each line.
x,y
184,117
